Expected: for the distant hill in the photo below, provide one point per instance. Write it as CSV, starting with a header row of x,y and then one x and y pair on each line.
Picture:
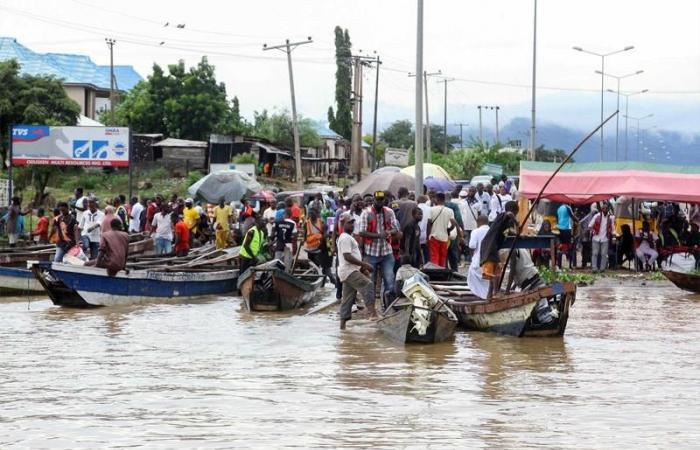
x,y
682,149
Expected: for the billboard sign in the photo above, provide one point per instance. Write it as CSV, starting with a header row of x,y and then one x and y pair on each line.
x,y
396,157
70,146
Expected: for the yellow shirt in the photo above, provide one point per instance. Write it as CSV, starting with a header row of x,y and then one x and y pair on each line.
x,y
221,216
191,216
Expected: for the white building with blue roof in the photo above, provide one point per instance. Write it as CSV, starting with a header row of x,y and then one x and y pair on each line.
x,y
84,81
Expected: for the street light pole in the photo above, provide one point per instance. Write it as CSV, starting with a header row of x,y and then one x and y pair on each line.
x,y
638,119
531,147
602,57
627,110
617,125
287,47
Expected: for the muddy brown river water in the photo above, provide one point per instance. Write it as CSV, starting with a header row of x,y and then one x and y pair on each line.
x,y
211,375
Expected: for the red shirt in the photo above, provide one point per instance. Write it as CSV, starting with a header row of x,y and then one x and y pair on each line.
x,y
296,212
42,229
183,234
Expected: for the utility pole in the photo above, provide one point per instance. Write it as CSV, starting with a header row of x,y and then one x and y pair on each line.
x,y
287,47
498,139
356,137
445,81
481,129
418,143
374,126
428,144
112,98
461,135
531,147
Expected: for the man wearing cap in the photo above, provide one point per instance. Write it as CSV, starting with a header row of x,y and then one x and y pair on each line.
x,y
353,272
378,225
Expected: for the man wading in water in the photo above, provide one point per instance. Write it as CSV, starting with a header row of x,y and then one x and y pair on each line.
x,y
353,272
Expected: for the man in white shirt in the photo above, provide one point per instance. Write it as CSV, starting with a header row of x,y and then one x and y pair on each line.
x,y
484,199
162,227
498,202
477,284
269,219
440,223
646,245
90,228
353,272
423,205
469,207
135,217
603,226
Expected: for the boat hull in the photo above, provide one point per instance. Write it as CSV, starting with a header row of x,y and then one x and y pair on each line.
x,y
398,327
78,286
276,290
514,314
17,280
685,281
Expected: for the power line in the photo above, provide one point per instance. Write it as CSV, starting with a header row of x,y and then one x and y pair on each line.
x,y
189,44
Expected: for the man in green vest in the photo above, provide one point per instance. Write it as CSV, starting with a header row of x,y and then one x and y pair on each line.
x,y
252,244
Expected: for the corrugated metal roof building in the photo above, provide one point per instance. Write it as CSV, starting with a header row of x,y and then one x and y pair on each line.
x,y
85,82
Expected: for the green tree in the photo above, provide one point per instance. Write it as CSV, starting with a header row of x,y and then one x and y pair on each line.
x,y
341,120
554,155
399,134
277,128
184,103
437,139
32,100
381,147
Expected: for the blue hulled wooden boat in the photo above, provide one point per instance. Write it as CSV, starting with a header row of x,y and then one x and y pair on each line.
x,y
84,287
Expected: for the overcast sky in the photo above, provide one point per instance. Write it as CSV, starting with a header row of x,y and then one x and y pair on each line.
x,y
486,45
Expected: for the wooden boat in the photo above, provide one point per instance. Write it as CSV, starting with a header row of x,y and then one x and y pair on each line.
x,y
513,314
16,276
205,273
268,287
686,281
397,323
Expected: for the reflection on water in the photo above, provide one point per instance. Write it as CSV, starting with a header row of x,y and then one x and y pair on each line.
x,y
211,375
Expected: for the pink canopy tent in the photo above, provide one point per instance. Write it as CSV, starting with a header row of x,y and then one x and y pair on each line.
x,y
591,182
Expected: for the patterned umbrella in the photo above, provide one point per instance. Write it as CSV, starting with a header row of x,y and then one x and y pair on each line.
x,y
264,196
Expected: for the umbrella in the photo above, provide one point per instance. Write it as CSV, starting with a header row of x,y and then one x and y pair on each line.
x,y
264,196
439,184
383,181
232,185
429,170
387,169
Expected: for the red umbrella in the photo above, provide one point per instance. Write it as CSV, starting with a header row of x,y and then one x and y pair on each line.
x,y
264,196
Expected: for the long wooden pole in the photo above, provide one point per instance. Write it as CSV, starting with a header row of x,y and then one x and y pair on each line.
x,y
539,195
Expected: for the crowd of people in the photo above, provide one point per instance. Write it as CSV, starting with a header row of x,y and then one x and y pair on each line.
x,y
355,238
592,231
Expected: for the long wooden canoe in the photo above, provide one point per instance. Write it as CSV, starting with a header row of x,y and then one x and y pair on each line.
x,y
513,314
686,281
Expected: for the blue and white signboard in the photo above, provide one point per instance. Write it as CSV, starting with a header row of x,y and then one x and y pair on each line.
x,y
70,146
